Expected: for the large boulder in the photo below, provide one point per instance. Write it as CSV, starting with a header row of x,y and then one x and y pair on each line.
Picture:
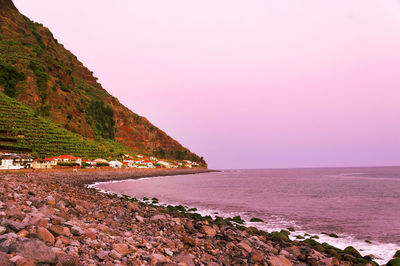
x,y
34,249
6,241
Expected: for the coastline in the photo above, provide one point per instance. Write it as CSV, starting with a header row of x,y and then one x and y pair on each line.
x,y
83,226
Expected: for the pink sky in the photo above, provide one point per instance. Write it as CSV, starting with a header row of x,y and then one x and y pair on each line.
x,y
248,84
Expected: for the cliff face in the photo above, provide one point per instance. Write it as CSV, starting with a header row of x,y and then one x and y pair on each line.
x,y
7,4
39,72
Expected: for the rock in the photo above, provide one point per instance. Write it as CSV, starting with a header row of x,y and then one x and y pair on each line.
x,y
158,217
352,251
16,226
294,250
21,261
103,228
168,252
133,206
91,235
50,201
2,230
44,235
189,241
279,261
209,230
102,255
245,246
6,241
122,249
257,256
115,255
157,258
184,259
394,262
331,262
59,230
4,259
34,249
77,231
140,219
67,260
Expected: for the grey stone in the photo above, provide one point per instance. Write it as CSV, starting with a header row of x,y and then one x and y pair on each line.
x,y
34,249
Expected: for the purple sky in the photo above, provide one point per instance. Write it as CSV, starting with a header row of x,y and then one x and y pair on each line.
x,y
248,84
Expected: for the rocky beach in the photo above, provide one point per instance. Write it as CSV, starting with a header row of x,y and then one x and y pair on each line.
x,y
52,218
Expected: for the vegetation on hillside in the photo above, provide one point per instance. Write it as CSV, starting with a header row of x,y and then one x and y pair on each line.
x,y
22,130
38,71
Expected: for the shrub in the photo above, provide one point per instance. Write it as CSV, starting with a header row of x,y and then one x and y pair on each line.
x,y
102,117
9,77
41,79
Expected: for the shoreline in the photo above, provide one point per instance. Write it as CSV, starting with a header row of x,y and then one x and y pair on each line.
x,y
70,224
338,240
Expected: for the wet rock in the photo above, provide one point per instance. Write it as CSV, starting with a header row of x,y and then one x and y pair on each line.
x,y
34,249
352,251
44,235
394,262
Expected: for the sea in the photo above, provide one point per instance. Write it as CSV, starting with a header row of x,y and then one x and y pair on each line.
x,y
361,205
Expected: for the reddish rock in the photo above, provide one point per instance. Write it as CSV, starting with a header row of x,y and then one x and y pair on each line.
x,y
189,241
59,230
184,259
257,256
44,235
209,230
245,246
122,249
4,259
67,260
90,234
279,261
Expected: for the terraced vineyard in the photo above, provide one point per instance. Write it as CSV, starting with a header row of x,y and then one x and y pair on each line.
x,y
23,131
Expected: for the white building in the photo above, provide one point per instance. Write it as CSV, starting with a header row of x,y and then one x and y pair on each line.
x,y
115,164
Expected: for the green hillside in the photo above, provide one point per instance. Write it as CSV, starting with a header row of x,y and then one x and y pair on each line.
x,y
21,130
39,72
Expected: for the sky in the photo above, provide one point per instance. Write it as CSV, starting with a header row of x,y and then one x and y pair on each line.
x,y
247,84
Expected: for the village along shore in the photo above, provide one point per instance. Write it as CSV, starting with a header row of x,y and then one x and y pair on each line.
x,y
50,217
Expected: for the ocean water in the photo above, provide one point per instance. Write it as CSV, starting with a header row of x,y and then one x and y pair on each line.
x,y
357,204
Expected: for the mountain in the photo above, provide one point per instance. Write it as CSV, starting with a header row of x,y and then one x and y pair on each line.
x,y
41,74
